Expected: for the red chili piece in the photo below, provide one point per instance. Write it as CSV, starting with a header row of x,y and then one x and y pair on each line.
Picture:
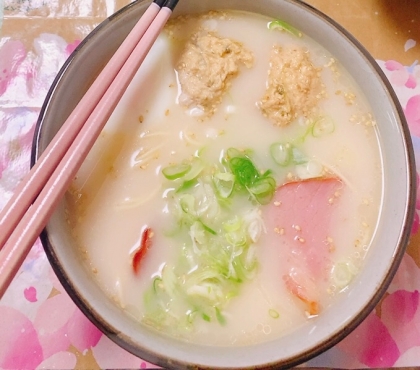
x,y
145,244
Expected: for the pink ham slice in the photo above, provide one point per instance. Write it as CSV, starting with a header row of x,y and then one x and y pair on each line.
x,y
298,223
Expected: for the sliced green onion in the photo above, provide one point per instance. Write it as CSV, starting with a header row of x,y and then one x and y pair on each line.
x,y
176,171
156,284
263,190
341,275
267,173
225,176
264,198
243,272
187,203
197,166
254,227
207,228
273,313
352,267
261,187
224,183
323,126
281,153
190,316
244,170
169,281
298,157
309,170
236,238
198,235
284,26
270,180
218,251
186,185
233,224
220,318
233,152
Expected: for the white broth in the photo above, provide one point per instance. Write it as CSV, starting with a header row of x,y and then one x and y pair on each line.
x,y
215,218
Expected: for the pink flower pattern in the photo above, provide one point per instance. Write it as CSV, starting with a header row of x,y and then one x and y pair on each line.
x,y
412,113
41,328
402,75
39,323
382,340
372,343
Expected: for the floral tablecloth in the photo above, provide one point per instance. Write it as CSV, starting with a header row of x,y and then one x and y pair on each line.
x,y
40,327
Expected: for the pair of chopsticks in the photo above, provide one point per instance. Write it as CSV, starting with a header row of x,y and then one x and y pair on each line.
x,y
36,197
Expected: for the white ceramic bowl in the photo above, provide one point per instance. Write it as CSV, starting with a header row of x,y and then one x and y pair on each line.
x,y
383,258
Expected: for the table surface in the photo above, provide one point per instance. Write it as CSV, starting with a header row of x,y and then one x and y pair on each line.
x,y
40,327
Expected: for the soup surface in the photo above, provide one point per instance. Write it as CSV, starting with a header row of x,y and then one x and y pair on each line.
x,y
235,190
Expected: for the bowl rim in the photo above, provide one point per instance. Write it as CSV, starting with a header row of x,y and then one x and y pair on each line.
x,y
125,341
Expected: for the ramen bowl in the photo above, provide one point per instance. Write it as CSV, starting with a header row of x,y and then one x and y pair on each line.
x,y
387,245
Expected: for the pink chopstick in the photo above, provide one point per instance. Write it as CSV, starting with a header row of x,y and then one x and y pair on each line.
x,y
20,222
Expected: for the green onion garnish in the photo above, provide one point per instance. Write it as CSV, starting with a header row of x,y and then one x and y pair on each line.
x,y
261,187
298,157
176,171
220,318
244,170
224,183
323,126
284,26
218,251
196,167
281,153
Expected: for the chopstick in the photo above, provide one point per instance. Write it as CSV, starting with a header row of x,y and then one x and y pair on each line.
x,y
21,221
32,184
